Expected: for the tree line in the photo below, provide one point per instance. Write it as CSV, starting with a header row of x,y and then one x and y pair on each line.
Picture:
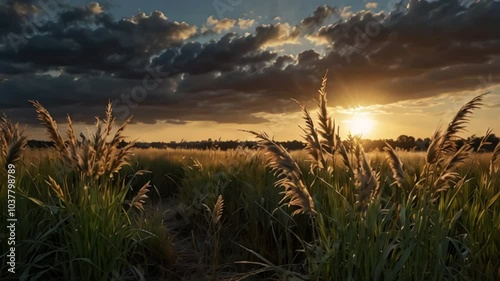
x,y
403,142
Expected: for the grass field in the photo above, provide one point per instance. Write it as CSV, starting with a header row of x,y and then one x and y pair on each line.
x,y
91,210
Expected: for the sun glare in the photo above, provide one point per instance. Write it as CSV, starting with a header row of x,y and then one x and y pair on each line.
x,y
360,124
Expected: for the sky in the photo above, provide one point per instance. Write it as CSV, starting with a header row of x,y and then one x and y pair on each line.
x,y
193,70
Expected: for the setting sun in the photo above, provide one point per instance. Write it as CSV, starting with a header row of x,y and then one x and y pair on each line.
x,y
360,125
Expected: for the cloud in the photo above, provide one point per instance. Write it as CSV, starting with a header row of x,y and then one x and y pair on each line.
x,y
318,17
346,12
85,40
221,25
425,50
214,25
95,8
176,122
88,13
245,23
279,34
13,15
415,53
371,5
229,53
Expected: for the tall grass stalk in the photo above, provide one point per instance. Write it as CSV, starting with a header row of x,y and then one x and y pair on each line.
x,y
369,227
90,231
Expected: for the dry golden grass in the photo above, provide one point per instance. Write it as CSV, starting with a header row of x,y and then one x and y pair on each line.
x,y
443,142
443,156
312,138
325,120
323,145
396,166
494,157
367,180
218,210
92,156
139,199
291,178
12,141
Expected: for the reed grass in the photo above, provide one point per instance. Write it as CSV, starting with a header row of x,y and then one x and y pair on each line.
x,y
92,157
12,141
80,193
395,228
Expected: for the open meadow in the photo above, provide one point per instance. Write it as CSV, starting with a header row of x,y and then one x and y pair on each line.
x,y
91,209
228,140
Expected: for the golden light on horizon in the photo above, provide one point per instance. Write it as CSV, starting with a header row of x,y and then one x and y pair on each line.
x,y
360,124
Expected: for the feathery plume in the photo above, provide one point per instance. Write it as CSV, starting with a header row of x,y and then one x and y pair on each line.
x,y
313,144
448,176
433,151
367,180
460,120
218,210
326,123
50,126
484,140
396,166
93,157
12,141
443,142
343,153
291,178
494,157
56,188
140,198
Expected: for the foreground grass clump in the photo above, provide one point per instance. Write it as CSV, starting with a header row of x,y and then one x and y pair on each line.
x,y
441,223
76,222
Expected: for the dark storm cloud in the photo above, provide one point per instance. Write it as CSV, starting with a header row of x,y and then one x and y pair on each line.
x,y
86,39
12,14
318,17
84,58
226,54
424,50
85,97
427,49
85,14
